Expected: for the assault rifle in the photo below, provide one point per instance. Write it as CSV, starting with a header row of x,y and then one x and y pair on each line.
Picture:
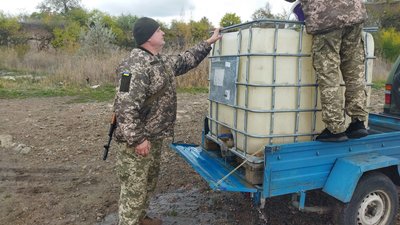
x,y
113,125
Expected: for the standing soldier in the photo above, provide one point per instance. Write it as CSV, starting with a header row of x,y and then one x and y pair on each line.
x,y
145,108
337,48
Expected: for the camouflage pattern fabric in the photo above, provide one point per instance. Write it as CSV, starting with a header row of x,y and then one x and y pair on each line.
x,y
138,176
146,110
342,51
322,16
152,77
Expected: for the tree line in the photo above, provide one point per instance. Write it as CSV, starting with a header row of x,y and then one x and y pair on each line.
x,y
75,29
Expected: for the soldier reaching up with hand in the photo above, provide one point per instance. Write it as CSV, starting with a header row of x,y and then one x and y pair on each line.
x,y
145,107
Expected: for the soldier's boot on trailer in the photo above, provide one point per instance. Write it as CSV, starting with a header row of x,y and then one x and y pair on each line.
x,y
356,129
150,221
327,136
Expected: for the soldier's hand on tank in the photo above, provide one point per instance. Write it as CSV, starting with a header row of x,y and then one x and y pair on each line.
x,y
215,37
143,148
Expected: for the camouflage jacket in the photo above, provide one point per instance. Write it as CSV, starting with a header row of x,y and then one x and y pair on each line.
x,y
145,103
323,16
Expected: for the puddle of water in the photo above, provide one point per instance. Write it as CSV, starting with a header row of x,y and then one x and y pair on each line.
x,y
181,207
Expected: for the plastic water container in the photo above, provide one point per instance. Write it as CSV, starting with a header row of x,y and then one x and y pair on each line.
x,y
263,89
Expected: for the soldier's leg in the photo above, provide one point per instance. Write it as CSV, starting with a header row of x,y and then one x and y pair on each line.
x,y
353,71
133,171
154,170
326,62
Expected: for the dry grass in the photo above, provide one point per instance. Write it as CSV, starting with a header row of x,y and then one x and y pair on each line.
x,y
197,77
381,70
65,69
74,70
62,68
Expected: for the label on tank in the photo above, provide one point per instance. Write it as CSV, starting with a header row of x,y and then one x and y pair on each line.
x,y
223,78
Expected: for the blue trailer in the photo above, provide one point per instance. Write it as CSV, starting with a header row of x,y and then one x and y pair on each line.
x,y
361,174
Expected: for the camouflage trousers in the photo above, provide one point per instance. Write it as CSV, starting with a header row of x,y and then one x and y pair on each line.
x,y
335,54
138,176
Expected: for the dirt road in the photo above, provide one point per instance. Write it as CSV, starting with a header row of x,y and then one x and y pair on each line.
x,y
51,170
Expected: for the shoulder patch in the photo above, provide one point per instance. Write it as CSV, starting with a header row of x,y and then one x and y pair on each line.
x,y
125,81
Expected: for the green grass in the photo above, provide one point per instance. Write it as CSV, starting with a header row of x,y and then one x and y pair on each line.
x,y
85,94
25,89
380,84
100,94
193,90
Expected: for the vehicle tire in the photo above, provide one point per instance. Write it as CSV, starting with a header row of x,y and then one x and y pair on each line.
x,y
374,202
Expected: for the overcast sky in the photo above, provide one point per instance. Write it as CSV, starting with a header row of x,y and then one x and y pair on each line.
x,y
164,10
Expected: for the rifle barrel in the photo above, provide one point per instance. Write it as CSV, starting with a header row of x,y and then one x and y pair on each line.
x,y
105,154
113,125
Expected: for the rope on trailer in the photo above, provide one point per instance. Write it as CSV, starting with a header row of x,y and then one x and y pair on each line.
x,y
234,170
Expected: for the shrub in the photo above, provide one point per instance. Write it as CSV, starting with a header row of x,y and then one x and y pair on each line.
x,y
9,28
98,39
68,38
389,43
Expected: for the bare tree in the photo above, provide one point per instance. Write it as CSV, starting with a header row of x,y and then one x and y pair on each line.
x,y
263,13
59,6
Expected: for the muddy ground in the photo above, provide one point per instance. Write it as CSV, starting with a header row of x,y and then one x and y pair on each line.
x,y
51,171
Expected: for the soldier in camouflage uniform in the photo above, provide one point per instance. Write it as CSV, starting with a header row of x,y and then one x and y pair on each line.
x,y
338,48
145,108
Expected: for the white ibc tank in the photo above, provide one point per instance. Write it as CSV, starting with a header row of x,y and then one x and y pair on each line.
x,y
271,95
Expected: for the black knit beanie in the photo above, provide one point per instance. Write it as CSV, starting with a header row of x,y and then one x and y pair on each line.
x,y
143,29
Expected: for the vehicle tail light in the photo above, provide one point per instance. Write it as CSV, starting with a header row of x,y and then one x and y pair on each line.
x,y
388,94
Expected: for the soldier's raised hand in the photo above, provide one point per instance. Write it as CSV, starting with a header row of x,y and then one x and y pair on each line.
x,y
215,37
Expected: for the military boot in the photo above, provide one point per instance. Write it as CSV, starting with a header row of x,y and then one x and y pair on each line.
x,y
327,136
150,221
356,129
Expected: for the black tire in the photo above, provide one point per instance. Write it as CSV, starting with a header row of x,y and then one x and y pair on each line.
x,y
374,202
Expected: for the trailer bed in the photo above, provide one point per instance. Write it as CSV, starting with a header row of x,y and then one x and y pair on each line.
x,y
299,167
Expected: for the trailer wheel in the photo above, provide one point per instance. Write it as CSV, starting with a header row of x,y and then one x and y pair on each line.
x,y
374,202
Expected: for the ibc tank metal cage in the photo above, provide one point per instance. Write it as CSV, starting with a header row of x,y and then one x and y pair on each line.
x,y
227,96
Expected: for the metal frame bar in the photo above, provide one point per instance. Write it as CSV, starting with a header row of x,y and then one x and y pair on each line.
x,y
235,119
299,80
265,54
266,111
261,136
214,105
272,120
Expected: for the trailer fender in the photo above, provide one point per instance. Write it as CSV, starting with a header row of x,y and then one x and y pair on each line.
x,y
346,172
